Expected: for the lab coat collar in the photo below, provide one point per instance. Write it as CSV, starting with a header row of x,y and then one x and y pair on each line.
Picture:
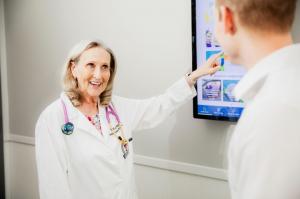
x,y
72,111
254,79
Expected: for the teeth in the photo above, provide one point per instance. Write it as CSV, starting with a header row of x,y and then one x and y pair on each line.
x,y
95,83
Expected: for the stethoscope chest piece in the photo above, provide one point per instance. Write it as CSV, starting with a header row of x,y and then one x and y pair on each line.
x,y
67,128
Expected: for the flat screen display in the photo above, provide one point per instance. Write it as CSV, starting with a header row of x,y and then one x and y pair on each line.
x,y
214,100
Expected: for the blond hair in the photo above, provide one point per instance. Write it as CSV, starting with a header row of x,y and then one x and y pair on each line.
x,y
70,84
265,15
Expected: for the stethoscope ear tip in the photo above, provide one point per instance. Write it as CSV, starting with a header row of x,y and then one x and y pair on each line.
x,y
67,128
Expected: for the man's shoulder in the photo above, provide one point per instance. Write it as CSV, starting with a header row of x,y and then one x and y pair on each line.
x,y
282,86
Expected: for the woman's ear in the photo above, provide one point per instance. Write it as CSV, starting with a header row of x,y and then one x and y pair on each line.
x,y
73,68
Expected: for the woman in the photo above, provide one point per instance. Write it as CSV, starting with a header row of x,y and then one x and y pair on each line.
x,y
84,139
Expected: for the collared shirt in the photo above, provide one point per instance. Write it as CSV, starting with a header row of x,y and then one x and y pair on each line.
x,y
264,152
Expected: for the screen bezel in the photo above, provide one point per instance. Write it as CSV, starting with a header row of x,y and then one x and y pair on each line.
x,y
194,67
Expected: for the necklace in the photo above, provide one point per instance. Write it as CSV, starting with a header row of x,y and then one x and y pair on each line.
x,y
95,120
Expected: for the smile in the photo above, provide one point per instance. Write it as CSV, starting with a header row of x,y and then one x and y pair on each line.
x,y
95,83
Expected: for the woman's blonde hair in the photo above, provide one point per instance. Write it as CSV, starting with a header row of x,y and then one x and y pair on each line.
x,y
70,84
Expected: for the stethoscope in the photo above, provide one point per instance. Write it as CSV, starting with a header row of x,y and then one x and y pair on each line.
x,y
68,127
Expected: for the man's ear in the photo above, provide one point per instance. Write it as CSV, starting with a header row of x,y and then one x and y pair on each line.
x,y
229,20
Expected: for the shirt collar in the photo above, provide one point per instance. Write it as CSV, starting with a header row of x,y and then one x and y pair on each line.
x,y
251,83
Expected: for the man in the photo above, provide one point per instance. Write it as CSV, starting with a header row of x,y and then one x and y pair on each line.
x,y
264,152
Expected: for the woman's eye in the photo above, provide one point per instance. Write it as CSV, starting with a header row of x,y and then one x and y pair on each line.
x,y
105,67
91,65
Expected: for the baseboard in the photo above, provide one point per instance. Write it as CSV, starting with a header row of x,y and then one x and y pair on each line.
x,y
193,169
19,139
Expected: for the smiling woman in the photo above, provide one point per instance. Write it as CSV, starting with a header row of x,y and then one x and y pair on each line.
x,y
85,59
84,139
92,72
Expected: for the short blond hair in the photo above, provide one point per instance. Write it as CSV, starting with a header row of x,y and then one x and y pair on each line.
x,y
265,15
70,84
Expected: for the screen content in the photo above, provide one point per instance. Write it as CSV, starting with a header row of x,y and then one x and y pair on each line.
x,y
215,99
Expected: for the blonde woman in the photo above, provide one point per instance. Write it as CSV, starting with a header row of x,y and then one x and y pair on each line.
x,y
84,138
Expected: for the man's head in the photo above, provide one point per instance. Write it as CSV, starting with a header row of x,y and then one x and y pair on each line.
x,y
254,17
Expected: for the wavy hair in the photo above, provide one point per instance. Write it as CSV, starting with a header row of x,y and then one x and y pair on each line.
x,y
70,84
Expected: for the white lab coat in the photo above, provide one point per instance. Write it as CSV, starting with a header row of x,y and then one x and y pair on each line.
x,y
264,153
87,165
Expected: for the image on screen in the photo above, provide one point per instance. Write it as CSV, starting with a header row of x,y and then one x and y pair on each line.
x,y
215,99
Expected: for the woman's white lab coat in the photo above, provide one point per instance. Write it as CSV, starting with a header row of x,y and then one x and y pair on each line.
x,y
88,165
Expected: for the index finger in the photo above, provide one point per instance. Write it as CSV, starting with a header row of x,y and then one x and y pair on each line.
x,y
216,56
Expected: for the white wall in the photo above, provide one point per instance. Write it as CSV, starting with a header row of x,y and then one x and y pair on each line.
x,y
296,27
22,171
152,43
163,184
150,39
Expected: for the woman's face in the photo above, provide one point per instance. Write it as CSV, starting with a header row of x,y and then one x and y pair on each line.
x,y
92,72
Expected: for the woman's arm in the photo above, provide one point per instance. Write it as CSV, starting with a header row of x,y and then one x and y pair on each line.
x,y
51,164
147,113
210,67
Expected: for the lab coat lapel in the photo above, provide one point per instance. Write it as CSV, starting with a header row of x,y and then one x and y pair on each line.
x,y
85,126
81,124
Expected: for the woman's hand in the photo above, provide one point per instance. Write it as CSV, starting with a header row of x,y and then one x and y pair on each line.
x,y
210,67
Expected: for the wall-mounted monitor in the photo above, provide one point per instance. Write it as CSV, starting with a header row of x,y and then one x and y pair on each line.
x,y
214,100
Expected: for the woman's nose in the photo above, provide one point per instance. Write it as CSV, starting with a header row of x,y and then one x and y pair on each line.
x,y
97,72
